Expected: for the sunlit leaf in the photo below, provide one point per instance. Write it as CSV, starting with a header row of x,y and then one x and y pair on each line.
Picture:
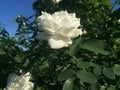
x,y
68,85
65,75
95,46
111,88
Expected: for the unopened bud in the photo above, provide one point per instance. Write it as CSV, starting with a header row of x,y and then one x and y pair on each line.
x,y
24,24
19,16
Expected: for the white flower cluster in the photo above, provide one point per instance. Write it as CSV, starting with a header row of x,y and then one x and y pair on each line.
x,y
16,82
58,28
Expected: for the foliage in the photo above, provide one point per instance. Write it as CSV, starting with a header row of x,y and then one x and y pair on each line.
x,y
91,63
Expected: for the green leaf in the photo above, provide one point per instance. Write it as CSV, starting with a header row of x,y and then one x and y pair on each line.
x,y
75,47
83,65
65,75
95,46
2,52
38,88
107,2
45,64
54,56
58,67
86,76
111,88
103,87
108,73
18,59
68,85
116,69
97,70
96,5
118,40
26,63
95,86
93,1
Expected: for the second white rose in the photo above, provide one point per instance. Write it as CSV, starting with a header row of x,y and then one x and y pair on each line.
x,y
21,82
58,28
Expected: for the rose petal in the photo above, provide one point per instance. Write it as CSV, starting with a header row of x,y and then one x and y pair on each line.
x,y
45,15
48,26
12,77
21,82
69,42
57,44
61,37
69,32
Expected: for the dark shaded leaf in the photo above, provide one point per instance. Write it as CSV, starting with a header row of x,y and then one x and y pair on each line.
x,y
65,75
75,47
38,88
95,86
75,87
18,58
2,52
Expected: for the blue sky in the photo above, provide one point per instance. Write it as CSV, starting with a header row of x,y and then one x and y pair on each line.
x,y
116,5
9,10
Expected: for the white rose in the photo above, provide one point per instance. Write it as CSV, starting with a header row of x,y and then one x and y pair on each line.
x,y
56,1
16,82
58,28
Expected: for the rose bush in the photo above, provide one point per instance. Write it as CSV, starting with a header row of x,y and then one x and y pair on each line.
x,y
16,82
92,62
58,28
